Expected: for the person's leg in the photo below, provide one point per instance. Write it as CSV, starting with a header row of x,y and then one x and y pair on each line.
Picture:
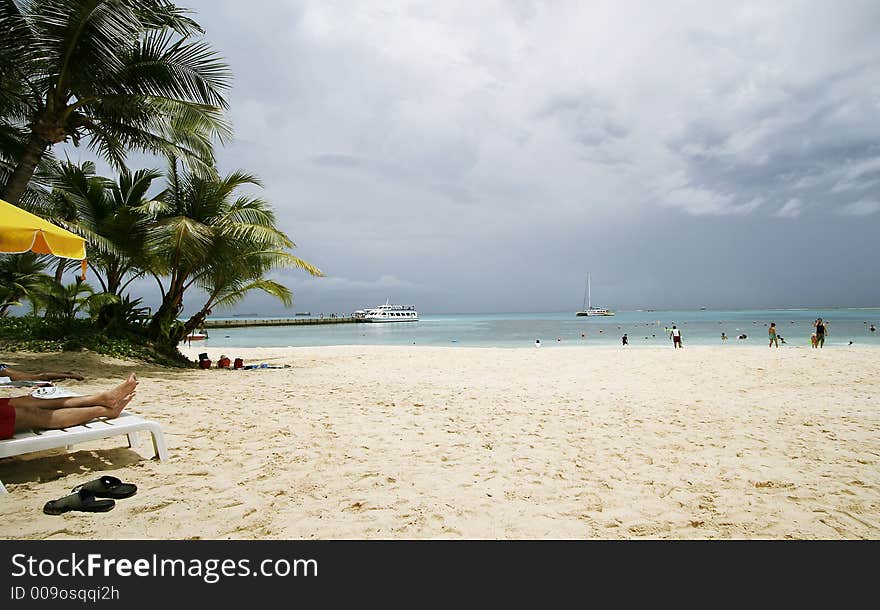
x,y
34,417
110,398
53,413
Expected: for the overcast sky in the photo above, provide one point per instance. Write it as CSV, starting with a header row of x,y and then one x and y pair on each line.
x,y
484,156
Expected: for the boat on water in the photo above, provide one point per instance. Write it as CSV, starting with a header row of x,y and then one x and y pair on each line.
x,y
588,309
199,336
389,313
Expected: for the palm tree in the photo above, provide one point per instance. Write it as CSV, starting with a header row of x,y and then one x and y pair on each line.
x,y
113,217
21,277
77,195
240,269
124,74
66,302
207,236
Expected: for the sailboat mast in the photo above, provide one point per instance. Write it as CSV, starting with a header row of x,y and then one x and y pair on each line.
x,y
589,293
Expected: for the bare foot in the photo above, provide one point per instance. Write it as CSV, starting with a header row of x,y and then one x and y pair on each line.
x,y
117,407
110,398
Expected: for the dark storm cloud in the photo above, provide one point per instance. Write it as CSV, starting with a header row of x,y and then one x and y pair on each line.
x,y
484,156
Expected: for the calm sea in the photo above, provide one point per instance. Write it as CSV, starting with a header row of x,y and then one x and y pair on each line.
x,y
522,329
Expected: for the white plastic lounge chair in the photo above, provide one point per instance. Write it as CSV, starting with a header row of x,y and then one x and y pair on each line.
x,y
126,423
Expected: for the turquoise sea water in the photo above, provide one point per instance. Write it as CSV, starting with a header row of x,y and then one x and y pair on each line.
x,y
522,329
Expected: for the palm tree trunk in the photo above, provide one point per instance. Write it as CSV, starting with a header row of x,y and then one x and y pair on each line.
x,y
59,272
19,179
197,320
167,313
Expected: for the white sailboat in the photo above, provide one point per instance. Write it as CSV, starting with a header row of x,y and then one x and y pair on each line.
x,y
588,309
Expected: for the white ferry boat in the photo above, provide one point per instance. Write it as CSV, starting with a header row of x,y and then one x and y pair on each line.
x,y
389,313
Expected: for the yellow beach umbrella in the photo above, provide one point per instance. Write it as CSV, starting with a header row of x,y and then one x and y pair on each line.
x,y
22,231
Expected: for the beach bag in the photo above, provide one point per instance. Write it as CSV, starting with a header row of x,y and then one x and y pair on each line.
x,y
239,363
204,363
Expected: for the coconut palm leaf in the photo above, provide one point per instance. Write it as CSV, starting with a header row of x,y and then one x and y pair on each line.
x,y
207,236
119,74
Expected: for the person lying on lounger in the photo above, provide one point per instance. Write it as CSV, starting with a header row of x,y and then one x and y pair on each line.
x,y
15,375
25,412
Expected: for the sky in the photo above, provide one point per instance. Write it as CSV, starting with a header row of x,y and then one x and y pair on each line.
x,y
485,156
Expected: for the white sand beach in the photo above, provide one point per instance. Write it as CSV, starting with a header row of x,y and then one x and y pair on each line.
x,y
428,442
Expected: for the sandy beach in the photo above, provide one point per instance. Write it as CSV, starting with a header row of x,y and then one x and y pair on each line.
x,y
429,442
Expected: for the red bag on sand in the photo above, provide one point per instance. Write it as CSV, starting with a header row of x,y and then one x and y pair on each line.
x,y
205,364
239,363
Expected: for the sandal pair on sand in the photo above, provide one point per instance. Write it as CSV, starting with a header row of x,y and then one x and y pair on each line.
x,y
85,497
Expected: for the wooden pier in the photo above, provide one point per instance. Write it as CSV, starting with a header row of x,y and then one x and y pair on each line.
x,y
278,322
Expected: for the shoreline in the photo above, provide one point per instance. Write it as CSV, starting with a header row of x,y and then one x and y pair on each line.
x,y
431,442
193,352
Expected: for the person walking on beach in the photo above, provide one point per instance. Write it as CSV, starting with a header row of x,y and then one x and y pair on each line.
x,y
772,333
675,333
624,339
821,331
25,412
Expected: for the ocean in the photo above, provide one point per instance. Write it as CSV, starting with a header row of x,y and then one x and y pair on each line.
x,y
643,328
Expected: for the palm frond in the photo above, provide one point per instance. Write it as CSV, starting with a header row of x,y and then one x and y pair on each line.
x,y
162,65
270,287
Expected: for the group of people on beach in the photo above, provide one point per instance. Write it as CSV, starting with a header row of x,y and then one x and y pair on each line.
x,y
817,338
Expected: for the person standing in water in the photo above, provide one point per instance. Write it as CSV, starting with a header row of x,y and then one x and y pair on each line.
x,y
676,336
624,339
821,331
772,333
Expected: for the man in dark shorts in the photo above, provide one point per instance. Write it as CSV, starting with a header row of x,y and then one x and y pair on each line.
x,y
676,336
624,339
821,331
26,412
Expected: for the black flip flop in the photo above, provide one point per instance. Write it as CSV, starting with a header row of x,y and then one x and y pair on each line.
x,y
81,500
108,487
